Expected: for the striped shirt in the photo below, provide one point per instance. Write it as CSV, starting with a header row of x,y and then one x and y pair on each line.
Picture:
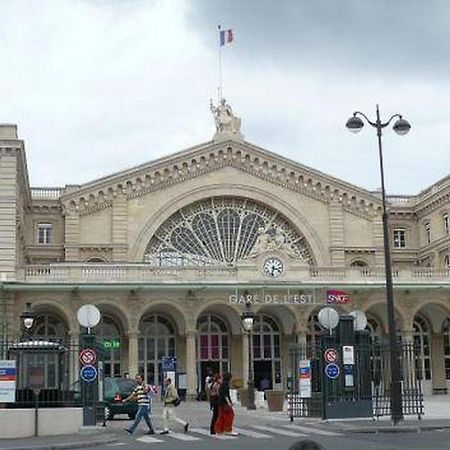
x,y
141,393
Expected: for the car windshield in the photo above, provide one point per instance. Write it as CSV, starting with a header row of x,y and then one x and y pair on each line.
x,y
119,385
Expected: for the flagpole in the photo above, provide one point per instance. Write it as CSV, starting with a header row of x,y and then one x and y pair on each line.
x,y
219,89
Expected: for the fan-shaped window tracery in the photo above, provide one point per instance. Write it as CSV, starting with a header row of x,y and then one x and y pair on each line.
x,y
222,230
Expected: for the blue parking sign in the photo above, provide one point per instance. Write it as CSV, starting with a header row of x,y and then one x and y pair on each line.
x,y
88,373
332,371
168,363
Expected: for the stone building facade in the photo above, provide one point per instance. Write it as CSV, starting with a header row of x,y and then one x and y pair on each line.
x,y
168,251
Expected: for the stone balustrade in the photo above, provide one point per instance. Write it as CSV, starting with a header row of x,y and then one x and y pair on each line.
x,y
110,273
39,193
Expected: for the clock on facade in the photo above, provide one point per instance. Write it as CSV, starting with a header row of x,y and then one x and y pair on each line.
x,y
273,267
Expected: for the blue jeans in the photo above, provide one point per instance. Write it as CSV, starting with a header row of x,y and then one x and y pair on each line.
x,y
143,413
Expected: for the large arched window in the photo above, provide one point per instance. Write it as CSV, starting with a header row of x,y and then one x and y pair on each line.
x,y
222,230
157,340
213,346
266,351
50,327
374,327
111,338
421,335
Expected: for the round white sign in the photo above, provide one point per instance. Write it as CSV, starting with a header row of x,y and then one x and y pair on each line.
x,y
359,320
328,318
88,316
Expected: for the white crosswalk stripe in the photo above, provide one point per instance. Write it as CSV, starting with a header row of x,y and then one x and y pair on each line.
x,y
253,434
263,432
207,433
312,430
182,436
278,431
149,439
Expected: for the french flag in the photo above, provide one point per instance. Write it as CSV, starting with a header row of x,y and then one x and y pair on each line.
x,y
226,37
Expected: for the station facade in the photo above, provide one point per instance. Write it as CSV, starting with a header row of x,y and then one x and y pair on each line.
x,y
170,251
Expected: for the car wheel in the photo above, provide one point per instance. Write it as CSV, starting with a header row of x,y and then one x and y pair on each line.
x,y
132,416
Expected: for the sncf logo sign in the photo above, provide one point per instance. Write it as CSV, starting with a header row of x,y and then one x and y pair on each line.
x,y
336,297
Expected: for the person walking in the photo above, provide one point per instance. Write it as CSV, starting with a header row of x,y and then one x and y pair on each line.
x,y
140,394
224,423
214,402
171,400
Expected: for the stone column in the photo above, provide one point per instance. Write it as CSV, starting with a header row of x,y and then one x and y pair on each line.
x,y
6,321
378,240
438,364
191,363
336,217
133,355
245,358
120,227
8,206
74,368
409,364
72,235
301,345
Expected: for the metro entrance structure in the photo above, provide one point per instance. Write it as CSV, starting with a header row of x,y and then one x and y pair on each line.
x,y
171,250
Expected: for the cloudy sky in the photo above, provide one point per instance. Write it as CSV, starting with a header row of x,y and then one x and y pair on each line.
x,y
97,86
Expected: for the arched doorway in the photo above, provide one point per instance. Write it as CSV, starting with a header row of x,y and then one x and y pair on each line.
x,y
111,338
266,352
157,340
213,346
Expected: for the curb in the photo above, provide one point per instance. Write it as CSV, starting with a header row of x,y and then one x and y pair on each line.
x,y
410,429
68,445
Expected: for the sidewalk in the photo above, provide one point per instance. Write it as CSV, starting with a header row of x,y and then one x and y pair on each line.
x,y
90,437
437,416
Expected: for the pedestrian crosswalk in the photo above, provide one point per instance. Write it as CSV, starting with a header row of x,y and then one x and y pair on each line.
x,y
251,431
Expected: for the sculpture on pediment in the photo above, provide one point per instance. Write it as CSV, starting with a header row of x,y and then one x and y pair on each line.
x,y
270,240
228,126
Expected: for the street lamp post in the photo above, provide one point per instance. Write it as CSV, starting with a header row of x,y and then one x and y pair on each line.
x,y
248,317
401,127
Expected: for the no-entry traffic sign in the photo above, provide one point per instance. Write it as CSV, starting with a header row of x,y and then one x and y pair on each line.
x,y
331,355
88,357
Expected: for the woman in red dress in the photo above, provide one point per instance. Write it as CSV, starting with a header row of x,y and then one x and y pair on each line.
x,y
224,423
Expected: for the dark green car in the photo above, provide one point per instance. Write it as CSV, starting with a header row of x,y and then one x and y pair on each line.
x,y
114,391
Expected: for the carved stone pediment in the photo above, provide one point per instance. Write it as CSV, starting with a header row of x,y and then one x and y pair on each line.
x,y
211,157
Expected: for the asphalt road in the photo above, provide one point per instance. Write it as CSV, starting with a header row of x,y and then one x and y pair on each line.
x,y
280,438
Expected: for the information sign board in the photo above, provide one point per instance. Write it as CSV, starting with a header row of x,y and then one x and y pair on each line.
x,y
304,378
8,373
